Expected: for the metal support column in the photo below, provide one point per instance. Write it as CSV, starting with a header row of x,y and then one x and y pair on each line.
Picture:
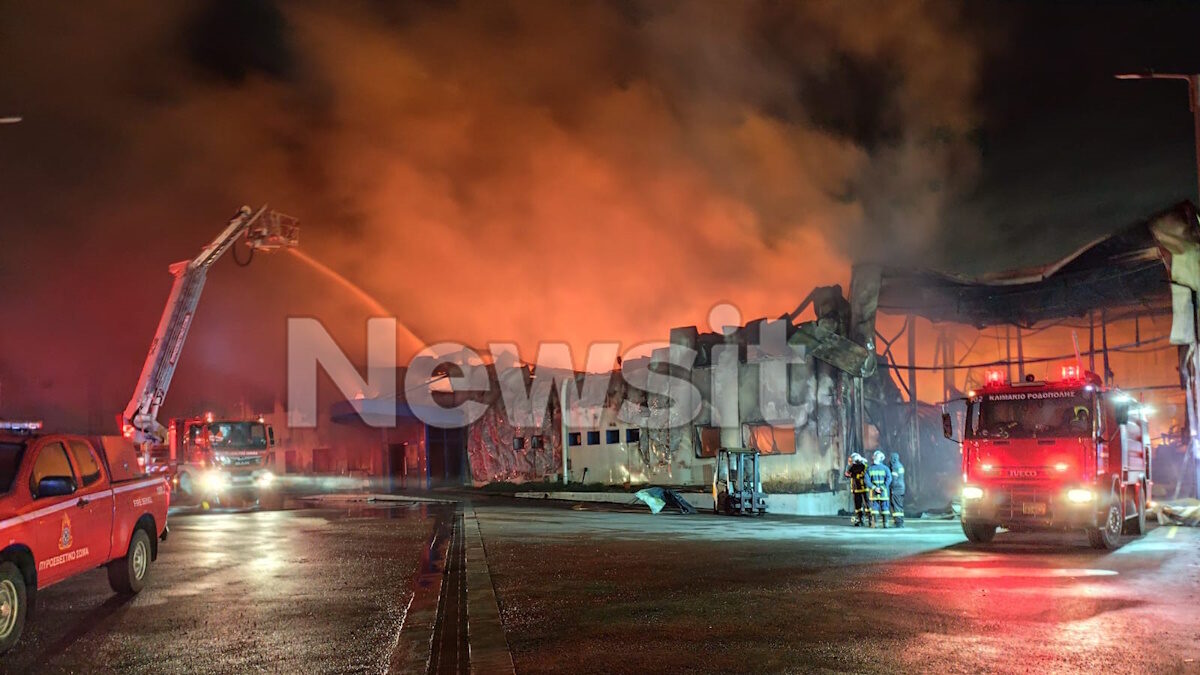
x,y
1008,353
1020,356
914,436
1104,346
1092,341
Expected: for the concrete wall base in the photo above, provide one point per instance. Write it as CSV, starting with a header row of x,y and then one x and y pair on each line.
x,y
808,504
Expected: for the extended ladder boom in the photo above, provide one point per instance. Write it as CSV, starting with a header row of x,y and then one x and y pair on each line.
x,y
263,229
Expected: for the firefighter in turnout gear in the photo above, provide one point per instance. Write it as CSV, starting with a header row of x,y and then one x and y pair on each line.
x,y
856,471
879,482
897,490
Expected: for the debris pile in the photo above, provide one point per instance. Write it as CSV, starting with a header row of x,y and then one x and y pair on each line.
x,y
1184,512
659,498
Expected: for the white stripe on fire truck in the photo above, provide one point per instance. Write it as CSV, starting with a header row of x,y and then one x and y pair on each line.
x,y
33,515
140,484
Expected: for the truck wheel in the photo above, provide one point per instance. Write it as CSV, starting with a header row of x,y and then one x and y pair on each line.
x,y
1108,535
978,533
128,575
12,605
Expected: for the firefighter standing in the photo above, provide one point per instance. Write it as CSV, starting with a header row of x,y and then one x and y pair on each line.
x,y
879,480
897,490
856,471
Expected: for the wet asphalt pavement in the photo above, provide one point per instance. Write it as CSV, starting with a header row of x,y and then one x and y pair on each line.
x,y
283,591
625,592
327,590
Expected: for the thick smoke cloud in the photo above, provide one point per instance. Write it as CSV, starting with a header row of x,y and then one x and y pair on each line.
x,y
489,170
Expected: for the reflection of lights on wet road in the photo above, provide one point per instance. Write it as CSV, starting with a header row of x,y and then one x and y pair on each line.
x,y
266,564
957,572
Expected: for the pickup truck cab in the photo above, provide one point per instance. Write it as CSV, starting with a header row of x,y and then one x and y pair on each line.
x,y
70,504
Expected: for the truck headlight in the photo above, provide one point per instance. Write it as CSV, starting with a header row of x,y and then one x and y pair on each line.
x,y
264,479
972,492
213,480
1080,495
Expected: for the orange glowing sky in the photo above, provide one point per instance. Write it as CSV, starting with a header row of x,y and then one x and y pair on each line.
x,y
486,170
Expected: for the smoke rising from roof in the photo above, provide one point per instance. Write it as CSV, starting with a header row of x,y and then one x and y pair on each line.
x,y
488,170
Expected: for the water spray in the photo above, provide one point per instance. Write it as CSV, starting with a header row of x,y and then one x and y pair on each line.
x,y
375,307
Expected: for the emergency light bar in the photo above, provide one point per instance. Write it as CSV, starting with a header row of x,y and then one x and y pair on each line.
x,y
1070,372
994,378
20,426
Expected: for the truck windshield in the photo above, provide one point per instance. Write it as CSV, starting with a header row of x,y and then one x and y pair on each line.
x,y
10,461
246,435
1031,414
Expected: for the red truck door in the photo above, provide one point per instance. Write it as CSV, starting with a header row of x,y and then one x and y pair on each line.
x,y
57,553
93,513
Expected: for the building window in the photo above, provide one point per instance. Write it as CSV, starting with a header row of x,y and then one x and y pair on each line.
x,y
796,382
612,436
633,435
518,442
535,442
769,440
574,438
593,438
710,441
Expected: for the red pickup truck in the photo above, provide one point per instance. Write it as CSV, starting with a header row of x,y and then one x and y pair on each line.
x,y
69,504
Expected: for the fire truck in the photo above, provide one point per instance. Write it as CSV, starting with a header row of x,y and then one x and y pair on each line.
x,y
1054,455
203,458
70,504
217,460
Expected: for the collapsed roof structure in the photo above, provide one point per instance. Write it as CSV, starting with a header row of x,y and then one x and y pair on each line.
x,y
1154,264
1150,267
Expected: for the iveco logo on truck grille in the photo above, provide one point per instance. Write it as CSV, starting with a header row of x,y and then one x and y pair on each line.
x,y
1019,473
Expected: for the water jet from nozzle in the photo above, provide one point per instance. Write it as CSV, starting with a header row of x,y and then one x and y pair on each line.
x,y
376,308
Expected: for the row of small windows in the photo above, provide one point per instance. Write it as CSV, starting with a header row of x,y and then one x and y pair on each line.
x,y
535,442
611,437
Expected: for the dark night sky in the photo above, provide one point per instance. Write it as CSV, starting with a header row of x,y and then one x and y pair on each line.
x,y
544,170
1067,152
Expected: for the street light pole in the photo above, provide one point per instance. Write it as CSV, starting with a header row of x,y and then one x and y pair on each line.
x,y
1193,83
1192,390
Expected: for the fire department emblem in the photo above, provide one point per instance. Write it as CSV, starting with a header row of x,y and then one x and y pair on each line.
x,y
65,540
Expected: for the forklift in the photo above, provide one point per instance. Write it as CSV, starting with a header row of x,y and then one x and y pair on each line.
x,y
737,487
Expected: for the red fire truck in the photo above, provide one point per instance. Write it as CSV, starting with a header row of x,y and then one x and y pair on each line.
x,y
1063,455
222,461
202,457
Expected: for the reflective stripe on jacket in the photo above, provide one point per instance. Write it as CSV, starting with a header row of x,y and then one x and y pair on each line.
x,y
857,473
879,479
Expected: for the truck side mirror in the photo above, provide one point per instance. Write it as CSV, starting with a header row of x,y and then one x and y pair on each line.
x,y
271,436
55,486
1122,413
947,426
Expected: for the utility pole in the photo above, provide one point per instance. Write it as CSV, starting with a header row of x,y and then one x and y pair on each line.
x,y
1193,84
1193,356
